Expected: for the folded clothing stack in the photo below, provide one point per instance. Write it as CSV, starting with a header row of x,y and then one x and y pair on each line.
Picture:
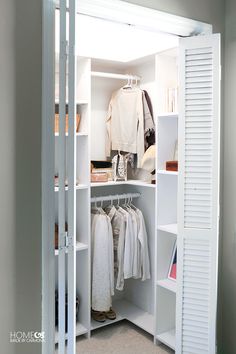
x,y
101,171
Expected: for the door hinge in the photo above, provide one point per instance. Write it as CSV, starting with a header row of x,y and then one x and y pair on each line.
x,y
66,242
63,240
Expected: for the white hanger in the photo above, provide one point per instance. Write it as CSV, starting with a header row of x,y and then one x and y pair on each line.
x,y
129,84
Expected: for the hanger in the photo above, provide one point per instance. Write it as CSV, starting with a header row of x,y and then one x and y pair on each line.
x,y
129,83
95,205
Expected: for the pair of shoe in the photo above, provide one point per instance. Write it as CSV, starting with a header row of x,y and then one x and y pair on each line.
x,y
102,316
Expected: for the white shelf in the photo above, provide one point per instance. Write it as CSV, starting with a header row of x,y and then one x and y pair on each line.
x,y
170,173
80,329
77,134
129,182
126,310
96,325
168,115
167,338
80,102
79,247
168,284
79,186
171,228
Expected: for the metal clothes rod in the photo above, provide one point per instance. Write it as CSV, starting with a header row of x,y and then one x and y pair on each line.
x,y
115,76
114,197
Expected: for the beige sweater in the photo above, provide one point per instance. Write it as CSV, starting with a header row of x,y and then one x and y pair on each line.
x,y
125,127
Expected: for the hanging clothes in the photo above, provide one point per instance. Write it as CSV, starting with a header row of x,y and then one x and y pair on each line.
x,y
102,262
118,223
125,123
119,250
144,253
149,125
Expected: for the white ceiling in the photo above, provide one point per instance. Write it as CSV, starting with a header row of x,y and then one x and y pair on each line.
x,y
107,40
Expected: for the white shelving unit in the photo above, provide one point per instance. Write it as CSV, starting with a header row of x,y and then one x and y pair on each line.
x,y
155,305
167,228
95,93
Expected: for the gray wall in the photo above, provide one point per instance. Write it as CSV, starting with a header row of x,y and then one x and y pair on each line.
x,y
229,240
20,187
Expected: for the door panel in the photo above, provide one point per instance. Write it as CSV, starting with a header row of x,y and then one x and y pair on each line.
x,y
198,199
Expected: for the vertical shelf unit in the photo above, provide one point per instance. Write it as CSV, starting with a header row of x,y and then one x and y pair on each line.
x,y
167,230
83,104
166,203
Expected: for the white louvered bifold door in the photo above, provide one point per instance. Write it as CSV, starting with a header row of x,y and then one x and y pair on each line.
x,y
198,194
67,170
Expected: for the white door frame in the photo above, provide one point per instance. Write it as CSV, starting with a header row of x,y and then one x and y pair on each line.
x,y
117,11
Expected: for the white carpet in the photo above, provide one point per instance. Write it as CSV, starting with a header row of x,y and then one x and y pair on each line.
x,y
119,338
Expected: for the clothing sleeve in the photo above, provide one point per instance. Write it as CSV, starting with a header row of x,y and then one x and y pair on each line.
x,y
110,255
108,130
128,252
145,262
140,130
149,126
120,255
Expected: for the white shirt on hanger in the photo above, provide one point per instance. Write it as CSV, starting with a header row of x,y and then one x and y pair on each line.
x,y
125,123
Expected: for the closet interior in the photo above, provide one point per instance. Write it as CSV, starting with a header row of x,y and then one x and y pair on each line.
x,y
110,56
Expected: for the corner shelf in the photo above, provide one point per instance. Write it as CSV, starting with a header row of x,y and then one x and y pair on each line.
x,y
79,247
167,338
168,115
125,310
170,228
170,173
128,182
80,329
168,284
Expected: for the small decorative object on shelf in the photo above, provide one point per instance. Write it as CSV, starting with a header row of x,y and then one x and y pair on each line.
x,y
172,99
101,171
173,264
99,177
173,165
119,167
